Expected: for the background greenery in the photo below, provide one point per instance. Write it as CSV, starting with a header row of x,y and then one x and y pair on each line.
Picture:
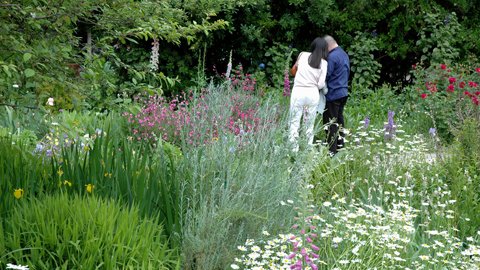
x,y
96,54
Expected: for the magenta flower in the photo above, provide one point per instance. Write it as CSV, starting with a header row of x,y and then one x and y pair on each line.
x,y
286,84
451,88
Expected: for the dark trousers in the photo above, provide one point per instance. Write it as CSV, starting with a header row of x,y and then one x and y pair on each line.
x,y
334,110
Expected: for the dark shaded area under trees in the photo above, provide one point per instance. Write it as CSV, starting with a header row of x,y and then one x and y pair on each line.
x,y
97,52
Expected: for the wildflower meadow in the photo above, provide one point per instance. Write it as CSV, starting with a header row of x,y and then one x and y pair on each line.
x,y
154,135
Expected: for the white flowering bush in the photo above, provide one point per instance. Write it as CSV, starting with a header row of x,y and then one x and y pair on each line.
x,y
396,211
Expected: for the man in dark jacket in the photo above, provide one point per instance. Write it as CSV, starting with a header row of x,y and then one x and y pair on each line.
x,y
337,82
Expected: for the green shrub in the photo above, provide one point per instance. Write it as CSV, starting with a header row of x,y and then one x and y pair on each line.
x,y
462,168
365,68
62,232
449,95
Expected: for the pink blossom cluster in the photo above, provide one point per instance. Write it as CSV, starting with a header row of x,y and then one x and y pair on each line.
x,y
243,118
193,121
245,82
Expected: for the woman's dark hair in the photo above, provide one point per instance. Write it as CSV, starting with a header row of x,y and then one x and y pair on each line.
x,y
319,49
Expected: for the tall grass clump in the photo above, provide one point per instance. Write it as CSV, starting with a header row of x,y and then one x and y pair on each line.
x,y
22,173
461,169
235,184
129,171
78,232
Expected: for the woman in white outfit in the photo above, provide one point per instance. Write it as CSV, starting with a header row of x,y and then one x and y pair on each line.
x,y
308,94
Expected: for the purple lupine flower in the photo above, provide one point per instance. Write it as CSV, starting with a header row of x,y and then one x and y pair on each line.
x,y
286,84
39,148
366,122
390,127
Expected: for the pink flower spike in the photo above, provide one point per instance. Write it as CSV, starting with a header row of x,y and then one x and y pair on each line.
x,y
315,247
291,256
314,255
309,240
302,231
303,252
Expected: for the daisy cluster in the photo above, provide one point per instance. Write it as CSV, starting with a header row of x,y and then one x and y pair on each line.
x,y
402,217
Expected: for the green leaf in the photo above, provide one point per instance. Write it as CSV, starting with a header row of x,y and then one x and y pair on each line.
x,y
29,72
30,85
27,57
9,74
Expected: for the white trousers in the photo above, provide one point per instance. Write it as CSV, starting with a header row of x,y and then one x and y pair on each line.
x,y
303,102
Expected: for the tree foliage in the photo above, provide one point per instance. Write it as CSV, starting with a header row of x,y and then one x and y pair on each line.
x,y
90,53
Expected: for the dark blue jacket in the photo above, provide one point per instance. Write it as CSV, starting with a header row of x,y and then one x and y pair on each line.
x,y
337,74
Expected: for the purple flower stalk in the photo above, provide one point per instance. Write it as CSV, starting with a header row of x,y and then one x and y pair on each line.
x,y
390,127
366,122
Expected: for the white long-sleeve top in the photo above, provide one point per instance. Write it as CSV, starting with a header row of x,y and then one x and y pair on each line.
x,y
310,77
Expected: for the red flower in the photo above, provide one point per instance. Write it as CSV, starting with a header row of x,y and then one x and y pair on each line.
x,y
475,100
423,96
477,70
472,84
452,79
462,84
443,66
414,66
451,88
477,93
466,93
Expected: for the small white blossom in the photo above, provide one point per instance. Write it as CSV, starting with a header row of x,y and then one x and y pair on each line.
x,y
50,101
